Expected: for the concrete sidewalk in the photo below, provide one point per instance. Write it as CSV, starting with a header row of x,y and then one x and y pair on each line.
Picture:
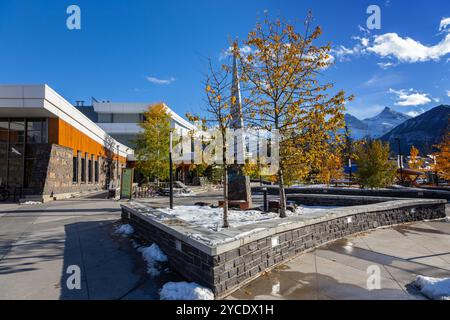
x,y
39,242
339,270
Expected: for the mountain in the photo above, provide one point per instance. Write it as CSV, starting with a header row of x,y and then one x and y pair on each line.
x,y
376,126
384,122
423,131
358,129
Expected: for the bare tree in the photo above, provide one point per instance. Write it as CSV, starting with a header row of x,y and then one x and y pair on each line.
x,y
218,101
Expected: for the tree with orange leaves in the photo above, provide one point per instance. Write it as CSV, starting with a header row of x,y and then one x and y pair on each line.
x,y
281,75
442,166
414,161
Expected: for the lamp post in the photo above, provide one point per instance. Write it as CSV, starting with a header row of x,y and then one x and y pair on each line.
x,y
400,160
349,171
117,169
170,172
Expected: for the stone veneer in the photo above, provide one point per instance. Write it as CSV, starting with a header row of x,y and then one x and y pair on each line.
x,y
421,193
226,260
52,172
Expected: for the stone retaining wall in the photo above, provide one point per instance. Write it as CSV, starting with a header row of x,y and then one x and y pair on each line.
x,y
335,200
226,266
397,193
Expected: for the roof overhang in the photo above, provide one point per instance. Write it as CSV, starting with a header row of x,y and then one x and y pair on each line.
x,y
43,101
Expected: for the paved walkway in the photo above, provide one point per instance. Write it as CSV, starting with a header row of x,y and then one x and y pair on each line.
x,y
39,242
340,270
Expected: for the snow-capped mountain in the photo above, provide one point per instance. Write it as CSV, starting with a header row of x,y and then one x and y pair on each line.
x,y
384,122
423,131
376,126
358,129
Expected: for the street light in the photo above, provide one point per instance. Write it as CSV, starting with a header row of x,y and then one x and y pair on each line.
x,y
400,160
349,171
170,172
117,169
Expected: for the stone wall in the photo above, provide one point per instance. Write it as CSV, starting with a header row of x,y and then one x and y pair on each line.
x,y
334,200
53,169
397,193
226,267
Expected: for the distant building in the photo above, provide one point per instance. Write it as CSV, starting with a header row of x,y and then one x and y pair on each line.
x,y
49,148
121,120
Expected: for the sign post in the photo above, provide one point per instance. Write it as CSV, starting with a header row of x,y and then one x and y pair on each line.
x,y
126,185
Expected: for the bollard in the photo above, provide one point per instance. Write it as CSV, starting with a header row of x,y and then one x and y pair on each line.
x,y
264,190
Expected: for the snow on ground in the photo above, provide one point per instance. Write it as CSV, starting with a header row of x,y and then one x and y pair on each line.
x,y
185,291
434,288
301,186
153,255
125,230
211,218
32,202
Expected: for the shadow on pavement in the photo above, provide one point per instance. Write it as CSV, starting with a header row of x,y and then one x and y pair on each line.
x,y
111,268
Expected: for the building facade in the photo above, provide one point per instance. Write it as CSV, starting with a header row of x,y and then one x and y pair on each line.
x,y
121,120
48,148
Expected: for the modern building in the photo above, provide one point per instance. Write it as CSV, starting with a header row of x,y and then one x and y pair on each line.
x,y
121,120
48,148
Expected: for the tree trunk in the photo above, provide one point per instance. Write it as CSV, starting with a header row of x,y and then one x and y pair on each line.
x,y
225,196
225,183
282,194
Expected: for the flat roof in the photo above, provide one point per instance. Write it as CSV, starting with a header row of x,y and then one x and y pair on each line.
x,y
139,107
39,100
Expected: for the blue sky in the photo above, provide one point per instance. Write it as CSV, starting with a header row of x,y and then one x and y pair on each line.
x,y
156,50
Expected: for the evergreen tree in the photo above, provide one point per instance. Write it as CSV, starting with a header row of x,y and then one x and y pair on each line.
x,y
375,170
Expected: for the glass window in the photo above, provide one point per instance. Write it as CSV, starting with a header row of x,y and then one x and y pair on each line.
x,y
36,131
4,127
105,117
16,131
89,170
96,171
3,163
15,165
75,170
83,169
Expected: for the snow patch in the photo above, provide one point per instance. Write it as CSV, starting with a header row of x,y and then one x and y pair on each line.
x,y
32,202
185,291
153,255
125,230
211,218
434,288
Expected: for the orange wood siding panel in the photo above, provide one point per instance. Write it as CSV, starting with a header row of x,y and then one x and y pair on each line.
x,y
73,138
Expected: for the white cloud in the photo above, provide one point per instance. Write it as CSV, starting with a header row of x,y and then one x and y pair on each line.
x,y
448,93
407,49
245,50
392,45
445,22
415,113
384,80
410,97
386,65
343,53
155,80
